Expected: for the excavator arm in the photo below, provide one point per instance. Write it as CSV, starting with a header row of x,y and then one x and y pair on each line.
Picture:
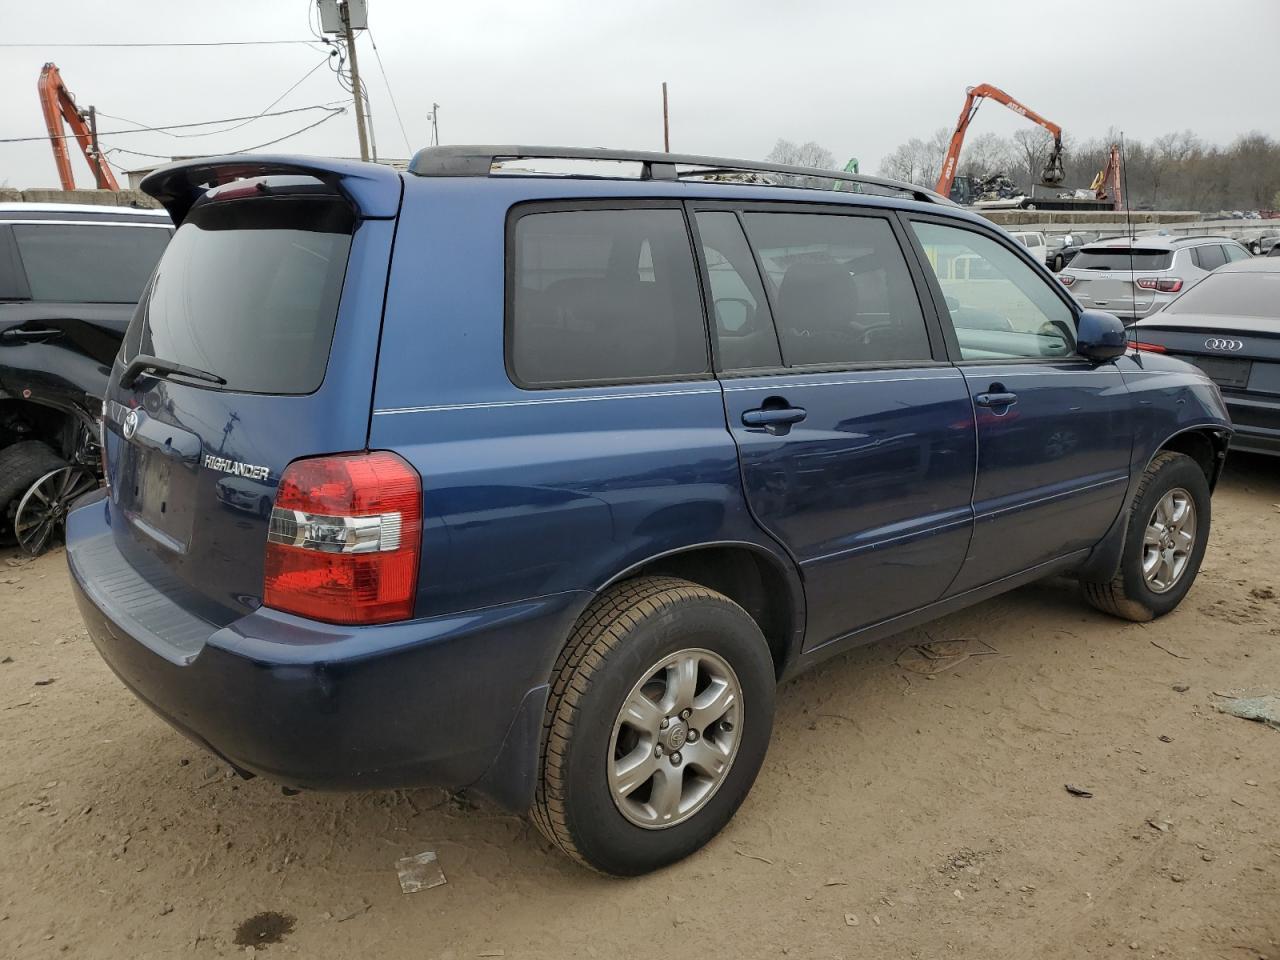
x,y
58,105
1053,172
1106,185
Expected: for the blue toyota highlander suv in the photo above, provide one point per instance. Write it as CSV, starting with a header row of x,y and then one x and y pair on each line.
x,y
534,470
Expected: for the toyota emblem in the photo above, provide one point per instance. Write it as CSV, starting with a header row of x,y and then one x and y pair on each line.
x,y
130,424
1221,343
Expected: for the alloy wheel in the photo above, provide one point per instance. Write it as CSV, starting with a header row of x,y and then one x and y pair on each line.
x,y
1168,540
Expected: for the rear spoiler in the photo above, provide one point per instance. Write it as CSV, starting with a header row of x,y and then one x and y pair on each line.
x,y
373,190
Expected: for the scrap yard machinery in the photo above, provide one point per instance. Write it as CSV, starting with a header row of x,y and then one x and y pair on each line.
x,y
1053,172
58,105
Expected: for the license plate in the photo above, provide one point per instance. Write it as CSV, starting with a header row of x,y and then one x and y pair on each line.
x,y
1224,372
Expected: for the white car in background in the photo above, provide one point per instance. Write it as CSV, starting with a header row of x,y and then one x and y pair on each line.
x,y
1035,242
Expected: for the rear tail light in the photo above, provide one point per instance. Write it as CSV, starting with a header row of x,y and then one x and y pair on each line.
x,y
344,537
1066,279
1148,347
1163,284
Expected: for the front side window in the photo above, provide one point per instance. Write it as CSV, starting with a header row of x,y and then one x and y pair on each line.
x,y
88,263
840,288
604,296
1000,307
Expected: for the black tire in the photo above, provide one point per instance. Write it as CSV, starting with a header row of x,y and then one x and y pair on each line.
x,y
1058,263
21,465
624,630
1127,595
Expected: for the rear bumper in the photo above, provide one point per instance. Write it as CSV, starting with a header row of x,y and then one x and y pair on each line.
x,y
1256,422
453,701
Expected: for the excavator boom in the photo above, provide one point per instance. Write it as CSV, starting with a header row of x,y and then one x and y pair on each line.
x,y
1053,172
58,105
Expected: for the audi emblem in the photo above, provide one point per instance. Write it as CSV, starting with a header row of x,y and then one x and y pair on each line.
x,y
130,424
1221,343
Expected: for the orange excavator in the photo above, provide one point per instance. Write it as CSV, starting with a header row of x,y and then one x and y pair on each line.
x,y
58,105
1053,173
1106,185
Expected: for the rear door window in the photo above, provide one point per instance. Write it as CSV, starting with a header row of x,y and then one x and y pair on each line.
x,y
840,288
1235,252
248,290
601,296
1210,256
88,262
744,330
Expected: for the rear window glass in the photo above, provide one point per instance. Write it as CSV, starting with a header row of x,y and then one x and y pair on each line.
x,y
604,296
249,290
1210,256
1233,295
1120,258
89,262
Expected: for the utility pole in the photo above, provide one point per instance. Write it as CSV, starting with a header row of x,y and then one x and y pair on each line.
x,y
435,125
93,139
345,10
666,121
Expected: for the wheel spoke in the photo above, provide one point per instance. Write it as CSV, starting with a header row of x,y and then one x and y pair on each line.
x,y
634,770
668,785
682,684
1151,538
642,713
706,755
712,704
1182,541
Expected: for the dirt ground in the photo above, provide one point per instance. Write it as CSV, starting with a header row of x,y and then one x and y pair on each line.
x,y
898,814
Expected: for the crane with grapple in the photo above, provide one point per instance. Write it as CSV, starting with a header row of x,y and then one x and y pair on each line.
x,y
1053,172
58,105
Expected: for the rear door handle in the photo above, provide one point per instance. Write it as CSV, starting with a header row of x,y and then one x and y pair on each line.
x,y
996,399
773,419
26,333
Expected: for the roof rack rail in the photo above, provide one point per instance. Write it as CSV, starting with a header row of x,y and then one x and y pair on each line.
x,y
479,161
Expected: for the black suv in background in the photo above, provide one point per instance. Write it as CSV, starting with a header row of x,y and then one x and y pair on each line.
x,y
70,278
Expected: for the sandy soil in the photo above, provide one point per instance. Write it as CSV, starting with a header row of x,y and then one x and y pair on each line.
x,y
897,814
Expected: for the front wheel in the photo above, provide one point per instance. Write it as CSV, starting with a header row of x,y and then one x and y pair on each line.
x,y
659,718
1164,542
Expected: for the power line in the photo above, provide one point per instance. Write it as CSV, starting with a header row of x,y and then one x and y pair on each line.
x,y
237,126
179,126
258,146
391,95
185,43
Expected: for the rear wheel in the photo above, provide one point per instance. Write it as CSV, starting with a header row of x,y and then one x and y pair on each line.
x,y
21,465
1058,263
42,511
660,714
1164,543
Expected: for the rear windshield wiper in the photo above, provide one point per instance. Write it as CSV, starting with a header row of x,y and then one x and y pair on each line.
x,y
143,363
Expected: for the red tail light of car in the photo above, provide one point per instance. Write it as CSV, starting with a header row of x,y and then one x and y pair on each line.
x,y
344,539
1148,347
1163,284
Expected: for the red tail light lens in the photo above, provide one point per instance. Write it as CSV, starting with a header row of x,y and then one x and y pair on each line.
x,y
1170,285
1148,347
1066,279
1147,283
344,539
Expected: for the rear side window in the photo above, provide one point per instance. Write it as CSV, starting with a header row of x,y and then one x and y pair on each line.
x,y
604,296
743,327
1235,251
88,262
840,289
1209,257
1121,258
249,290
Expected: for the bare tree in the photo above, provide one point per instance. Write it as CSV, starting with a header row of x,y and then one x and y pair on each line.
x,y
801,155
987,154
917,161
1033,148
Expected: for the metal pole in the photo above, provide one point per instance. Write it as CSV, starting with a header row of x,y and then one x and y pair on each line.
x,y
355,80
435,124
97,154
666,121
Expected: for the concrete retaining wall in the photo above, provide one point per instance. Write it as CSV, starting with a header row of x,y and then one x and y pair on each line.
x,y
108,198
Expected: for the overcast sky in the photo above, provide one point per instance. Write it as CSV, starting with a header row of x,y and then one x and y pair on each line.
x,y
857,77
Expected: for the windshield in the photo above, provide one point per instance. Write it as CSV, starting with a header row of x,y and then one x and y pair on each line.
x,y
248,290
1233,295
1121,258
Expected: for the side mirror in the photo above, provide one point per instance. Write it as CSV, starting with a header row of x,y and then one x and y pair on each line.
x,y
1100,336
